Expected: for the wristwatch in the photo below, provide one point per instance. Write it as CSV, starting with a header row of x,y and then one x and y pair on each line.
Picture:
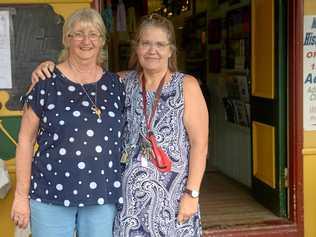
x,y
192,193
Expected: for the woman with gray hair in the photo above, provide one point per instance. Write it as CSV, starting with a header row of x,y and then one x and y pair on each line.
x,y
73,182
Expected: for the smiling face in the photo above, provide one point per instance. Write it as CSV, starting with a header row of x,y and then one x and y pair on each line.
x,y
78,31
153,49
84,41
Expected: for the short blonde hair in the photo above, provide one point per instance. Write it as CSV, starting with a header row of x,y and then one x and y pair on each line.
x,y
155,20
84,16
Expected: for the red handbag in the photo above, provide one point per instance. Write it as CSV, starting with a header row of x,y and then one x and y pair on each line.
x,y
161,160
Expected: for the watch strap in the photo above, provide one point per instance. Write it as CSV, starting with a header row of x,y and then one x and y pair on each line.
x,y
192,193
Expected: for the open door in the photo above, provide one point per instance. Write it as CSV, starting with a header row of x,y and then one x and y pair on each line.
x,y
268,103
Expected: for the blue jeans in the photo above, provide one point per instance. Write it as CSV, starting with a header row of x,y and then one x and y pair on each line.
x,y
59,221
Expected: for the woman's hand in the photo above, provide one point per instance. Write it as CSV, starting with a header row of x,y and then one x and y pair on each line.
x,y
43,71
188,207
20,213
122,74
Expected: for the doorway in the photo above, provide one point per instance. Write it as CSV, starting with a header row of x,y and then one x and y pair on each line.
x,y
239,54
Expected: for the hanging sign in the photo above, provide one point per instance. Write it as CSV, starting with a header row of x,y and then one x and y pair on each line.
x,y
5,51
309,73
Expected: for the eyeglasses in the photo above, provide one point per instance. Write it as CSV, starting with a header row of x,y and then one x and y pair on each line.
x,y
157,45
79,36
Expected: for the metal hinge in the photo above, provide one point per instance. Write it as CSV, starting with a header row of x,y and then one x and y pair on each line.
x,y
286,177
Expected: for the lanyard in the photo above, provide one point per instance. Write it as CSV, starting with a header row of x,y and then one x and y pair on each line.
x,y
156,100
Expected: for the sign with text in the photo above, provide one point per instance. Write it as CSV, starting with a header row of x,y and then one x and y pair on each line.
x,y
309,73
5,51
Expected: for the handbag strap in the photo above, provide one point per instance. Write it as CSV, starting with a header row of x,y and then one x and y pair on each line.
x,y
149,119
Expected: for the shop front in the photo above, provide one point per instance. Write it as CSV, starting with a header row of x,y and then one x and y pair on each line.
x,y
248,56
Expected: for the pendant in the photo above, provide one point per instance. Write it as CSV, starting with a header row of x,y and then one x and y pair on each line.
x,y
146,149
124,157
127,153
97,111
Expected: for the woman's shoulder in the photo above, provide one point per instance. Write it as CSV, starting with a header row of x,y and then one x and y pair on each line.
x,y
110,74
49,83
177,78
189,80
191,85
110,77
185,80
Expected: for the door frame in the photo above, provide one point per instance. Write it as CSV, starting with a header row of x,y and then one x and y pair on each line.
x,y
295,226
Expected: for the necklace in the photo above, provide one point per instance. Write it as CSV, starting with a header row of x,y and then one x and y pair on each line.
x,y
94,103
94,106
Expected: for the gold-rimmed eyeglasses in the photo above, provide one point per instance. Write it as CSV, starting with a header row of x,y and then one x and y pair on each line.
x,y
79,36
159,45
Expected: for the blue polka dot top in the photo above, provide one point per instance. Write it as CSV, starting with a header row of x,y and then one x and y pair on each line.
x,y
78,159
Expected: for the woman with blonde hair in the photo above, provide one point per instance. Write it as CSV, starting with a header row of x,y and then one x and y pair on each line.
x,y
73,182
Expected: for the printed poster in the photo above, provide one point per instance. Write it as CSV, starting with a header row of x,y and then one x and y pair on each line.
x,y
5,51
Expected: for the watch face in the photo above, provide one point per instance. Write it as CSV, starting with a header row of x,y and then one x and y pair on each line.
x,y
195,194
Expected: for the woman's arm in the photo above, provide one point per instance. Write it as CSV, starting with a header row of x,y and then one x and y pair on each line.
x,y
196,124
20,212
43,71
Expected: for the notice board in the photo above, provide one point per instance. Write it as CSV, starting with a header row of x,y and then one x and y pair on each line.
x,y
35,36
